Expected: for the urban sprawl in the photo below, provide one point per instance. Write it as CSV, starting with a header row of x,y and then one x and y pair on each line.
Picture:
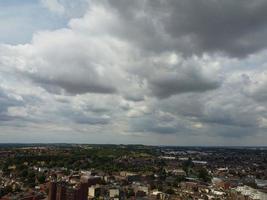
x,y
81,172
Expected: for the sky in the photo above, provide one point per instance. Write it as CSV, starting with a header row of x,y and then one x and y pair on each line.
x,y
156,72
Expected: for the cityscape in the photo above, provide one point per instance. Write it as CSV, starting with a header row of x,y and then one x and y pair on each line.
x,y
82,172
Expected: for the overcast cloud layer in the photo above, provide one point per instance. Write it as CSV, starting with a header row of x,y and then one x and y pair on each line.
x,y
172,72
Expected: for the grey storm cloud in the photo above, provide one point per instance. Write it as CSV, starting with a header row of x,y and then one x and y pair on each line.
x,y
72,86
255,86
187,105
91,120
151,125
236,28
226,112
166,86
85,115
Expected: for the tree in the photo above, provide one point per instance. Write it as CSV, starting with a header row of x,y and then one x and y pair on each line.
x,y
41,178
169,191
187,165
31,178
130,193
204,175
24,173
5,190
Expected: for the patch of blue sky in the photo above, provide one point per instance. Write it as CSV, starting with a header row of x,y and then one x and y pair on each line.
x,y
20,19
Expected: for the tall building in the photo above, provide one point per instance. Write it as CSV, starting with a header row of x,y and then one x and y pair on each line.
x,y
83,191
72,194
52,195
61,191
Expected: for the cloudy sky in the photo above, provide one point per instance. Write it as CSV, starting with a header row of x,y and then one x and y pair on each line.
x,y
168,72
